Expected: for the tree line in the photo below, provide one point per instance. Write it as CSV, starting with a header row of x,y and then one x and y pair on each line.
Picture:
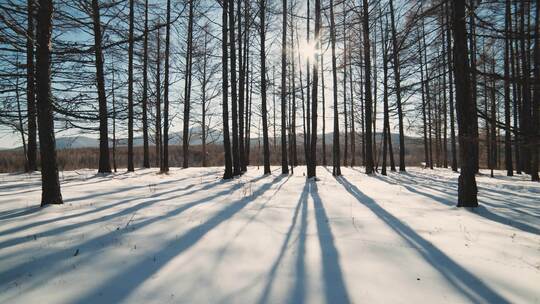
x,y
463,75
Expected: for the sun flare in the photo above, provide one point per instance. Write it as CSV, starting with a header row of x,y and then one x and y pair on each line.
x,y
307,50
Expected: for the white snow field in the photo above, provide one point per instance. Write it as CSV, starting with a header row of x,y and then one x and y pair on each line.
x,y
190,237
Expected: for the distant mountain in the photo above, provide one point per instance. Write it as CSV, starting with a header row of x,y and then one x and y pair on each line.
x,y
175,138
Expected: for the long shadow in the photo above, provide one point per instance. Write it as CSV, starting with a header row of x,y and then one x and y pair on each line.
x,y
482,211
299,292
284,246
461,279
126,211
14,213
89,247
102,208
138,273
334,285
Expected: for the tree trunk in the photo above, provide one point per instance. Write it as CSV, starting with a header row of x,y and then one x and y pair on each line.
x,y
345,115
465,108
130,166
241,83
368,100
424,116
31,152
159,145
535,123
234,93
146,152
507,133
165,137
451,87
114,122
386,121
397,76
47,146
284,161
472,52
336,170
225,86
187,89
104,162
324,161
262,31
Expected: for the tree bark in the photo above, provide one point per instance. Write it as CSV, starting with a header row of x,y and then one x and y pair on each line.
x,y
367,91
262,31
104,161
284,161
165,136
451,87
47,146
507,114
225,86
146,152
535,129
465,107
187,89
31,152
397,76
336,170
234,93
130,166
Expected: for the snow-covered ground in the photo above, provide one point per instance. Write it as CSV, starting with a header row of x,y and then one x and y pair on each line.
x,y
189,237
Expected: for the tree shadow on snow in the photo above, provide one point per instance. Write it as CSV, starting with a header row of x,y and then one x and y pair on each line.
x,y
139,272
335,290
461,279
522,206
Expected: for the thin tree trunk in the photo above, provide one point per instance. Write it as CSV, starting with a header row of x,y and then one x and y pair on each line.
x,y
225,87
234,93
241,95
114,122
535,129
368,100
428,99
324,161
284,161
516,93
165,137
20,116
130,166
424,120
31,153
262,31
336,170
397,76
472,52
352,111
507,133
204,99
146,151
187,88
386,122
346,145
451,87
104,161
314,93
159,145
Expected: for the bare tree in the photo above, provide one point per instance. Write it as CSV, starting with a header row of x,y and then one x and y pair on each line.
x,y
47,146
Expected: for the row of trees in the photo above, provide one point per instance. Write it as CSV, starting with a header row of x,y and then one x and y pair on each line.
x,y
442,63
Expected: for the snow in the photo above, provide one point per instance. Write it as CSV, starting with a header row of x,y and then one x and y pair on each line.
x,y
190,237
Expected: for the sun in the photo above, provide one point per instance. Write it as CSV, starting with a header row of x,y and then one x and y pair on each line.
x,y
307,50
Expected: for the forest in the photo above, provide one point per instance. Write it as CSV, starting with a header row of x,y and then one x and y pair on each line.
x,y
281,151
